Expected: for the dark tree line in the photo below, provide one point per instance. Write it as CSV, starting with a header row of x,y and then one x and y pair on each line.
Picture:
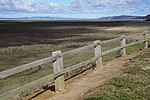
x,y
148,17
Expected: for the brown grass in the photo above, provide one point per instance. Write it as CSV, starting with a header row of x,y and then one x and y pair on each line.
x,y
24,42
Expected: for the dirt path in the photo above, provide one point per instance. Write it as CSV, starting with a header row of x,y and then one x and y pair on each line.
x,y
80,85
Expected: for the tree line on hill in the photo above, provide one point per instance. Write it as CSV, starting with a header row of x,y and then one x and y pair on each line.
x,y
148,17
126,17
121,17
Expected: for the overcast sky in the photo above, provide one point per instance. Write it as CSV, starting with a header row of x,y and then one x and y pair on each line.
x,y
73,8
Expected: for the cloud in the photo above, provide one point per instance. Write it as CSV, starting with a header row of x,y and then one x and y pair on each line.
x,y
28,6
102,7
107,3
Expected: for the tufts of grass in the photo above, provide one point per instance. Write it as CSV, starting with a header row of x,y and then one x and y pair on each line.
x,y
134,84
50,36
136,70
111,56
123,82
134,48
120,95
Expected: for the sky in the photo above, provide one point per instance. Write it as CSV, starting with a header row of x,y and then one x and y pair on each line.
x,y
73,8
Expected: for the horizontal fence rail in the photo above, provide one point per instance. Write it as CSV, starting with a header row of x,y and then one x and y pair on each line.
x,y
133,35
57,59
25,67
52,58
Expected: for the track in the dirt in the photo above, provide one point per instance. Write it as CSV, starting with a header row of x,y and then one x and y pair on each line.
x,y
80,85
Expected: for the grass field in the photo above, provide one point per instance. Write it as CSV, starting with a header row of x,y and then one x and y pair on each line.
x,y
134,84
22,42
16,33
35,40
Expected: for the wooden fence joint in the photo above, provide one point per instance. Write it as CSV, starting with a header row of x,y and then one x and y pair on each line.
x,y
145,42
57,68
123,44
98,52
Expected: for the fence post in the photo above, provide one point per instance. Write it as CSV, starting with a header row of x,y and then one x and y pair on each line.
x,y
146,42
123,43
57,67
98,52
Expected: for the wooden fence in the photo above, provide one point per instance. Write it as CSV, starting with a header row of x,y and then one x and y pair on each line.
x,y
57,58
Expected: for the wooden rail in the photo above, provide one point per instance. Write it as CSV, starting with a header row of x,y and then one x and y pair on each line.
x,y
57,57
25,67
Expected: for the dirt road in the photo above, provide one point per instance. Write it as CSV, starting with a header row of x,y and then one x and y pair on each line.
x,y
80,85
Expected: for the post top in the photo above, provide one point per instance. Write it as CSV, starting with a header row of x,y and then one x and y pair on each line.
x,y
122,37
97,41
56,53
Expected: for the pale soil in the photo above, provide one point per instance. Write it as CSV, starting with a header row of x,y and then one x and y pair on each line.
x,y
80,85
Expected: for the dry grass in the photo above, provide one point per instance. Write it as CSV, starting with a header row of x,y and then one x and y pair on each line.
x,y
30,41
132,85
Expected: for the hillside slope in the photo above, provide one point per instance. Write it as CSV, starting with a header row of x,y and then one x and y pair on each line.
x,y
134,84
80,85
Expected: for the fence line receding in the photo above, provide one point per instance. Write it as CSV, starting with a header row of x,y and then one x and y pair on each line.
x,y
58,77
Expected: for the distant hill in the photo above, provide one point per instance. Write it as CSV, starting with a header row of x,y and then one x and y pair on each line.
x,y
148,17
122,17
43,18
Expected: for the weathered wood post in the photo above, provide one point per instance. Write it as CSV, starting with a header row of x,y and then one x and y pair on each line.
x,y
123,43
98,52
57,67
146,42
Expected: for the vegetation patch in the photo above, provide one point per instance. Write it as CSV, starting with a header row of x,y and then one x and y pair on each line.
x,y
22,42
134,84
